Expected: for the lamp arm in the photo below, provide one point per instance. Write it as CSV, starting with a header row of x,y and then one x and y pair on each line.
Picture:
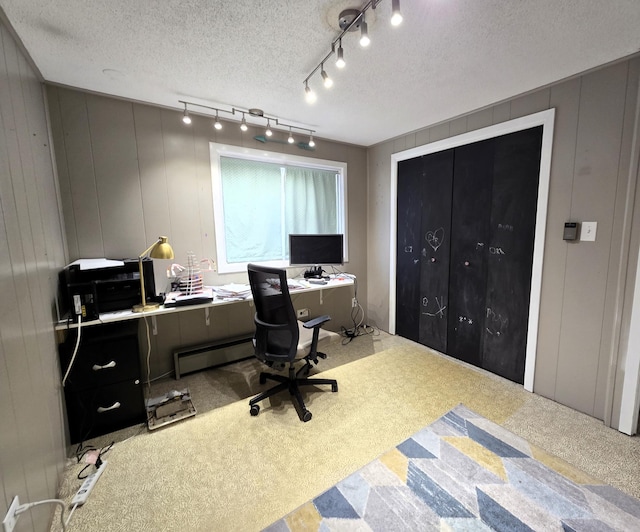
x,y
144,253
142,292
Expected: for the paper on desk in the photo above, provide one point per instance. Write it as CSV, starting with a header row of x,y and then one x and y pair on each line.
x,y
94,264
232,290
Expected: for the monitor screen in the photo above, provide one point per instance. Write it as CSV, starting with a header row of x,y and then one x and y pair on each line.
x,y
315,250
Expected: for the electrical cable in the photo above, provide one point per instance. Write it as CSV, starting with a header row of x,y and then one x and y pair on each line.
x,y
24,507
75,351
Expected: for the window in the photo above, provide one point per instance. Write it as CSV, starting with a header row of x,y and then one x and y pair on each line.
x,y
259,198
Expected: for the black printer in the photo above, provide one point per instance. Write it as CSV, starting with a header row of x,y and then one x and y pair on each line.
x,y
91,291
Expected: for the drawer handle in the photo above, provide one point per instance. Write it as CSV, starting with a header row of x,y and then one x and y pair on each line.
x,y
111,364
102,409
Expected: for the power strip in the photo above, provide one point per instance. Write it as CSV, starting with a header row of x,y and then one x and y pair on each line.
x,y
83,493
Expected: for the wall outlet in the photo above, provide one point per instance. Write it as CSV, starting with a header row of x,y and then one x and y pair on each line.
x,y
10,520
354,302
302,313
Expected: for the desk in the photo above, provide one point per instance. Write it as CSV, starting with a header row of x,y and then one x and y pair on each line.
x,y
104,391
122,315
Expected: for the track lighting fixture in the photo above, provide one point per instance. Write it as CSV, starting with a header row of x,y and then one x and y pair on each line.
x,y
349,20
185,117
254,114
364,33
396,16
309,94
328,82
340,59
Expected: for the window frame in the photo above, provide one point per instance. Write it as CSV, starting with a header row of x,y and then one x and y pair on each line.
x,y
217,150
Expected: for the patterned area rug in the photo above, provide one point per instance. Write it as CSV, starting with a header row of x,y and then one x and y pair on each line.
x,y
464,472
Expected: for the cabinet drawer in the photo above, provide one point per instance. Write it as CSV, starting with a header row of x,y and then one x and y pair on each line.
x,y
104,409
101,360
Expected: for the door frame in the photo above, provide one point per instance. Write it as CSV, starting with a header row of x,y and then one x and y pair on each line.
x,y
543,118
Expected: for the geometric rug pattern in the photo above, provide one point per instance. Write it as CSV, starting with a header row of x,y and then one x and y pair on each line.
x,y
465,473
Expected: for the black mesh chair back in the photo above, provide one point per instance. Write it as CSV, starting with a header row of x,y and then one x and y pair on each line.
x,y
277,338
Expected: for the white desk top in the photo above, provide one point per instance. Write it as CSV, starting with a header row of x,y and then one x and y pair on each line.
x,y
121,315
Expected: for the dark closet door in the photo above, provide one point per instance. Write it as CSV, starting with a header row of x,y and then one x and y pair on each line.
x,y
510,252
471,210
437,183
409,217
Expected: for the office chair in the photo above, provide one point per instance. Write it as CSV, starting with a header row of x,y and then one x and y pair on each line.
x,y
281,340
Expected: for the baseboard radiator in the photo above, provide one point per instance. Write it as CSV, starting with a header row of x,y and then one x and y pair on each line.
x,y
197,357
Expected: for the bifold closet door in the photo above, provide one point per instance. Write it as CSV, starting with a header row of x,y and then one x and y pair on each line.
x,y
471,215
422,254
466,227
509,252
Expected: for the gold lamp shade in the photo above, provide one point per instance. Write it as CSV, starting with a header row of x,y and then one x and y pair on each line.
x,y
160,249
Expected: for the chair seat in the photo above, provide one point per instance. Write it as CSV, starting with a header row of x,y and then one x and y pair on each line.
x,y
306,335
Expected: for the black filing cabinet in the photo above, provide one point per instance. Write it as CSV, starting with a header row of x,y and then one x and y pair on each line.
x,y
103,391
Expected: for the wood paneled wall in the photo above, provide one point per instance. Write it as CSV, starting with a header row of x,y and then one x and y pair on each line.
x,y
130,172
32,437
592,179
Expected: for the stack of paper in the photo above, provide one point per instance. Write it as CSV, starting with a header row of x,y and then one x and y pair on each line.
x,y
232,292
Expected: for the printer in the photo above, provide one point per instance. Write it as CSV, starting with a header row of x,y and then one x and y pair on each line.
x,y
89,287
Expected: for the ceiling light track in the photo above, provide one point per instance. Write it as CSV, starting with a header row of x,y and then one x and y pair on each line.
x,y
255,113
349,20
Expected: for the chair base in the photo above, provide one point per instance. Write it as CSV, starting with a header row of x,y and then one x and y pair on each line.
x,y
291,383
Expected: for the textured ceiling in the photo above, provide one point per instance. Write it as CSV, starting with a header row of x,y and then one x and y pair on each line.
x,y
447,58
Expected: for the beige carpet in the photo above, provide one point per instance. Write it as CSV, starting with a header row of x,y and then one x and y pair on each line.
x,y
225,470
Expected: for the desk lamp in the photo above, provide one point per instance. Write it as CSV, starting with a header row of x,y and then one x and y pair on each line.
x,y
160,249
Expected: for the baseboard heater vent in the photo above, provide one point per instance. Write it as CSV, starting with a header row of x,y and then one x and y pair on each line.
x,y
197,357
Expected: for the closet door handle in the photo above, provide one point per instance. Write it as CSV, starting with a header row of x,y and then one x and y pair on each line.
x,y
114,406
111,364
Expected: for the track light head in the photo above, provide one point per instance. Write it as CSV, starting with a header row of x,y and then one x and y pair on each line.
x,y
340,59
396,16
328,82
243,124
309,95
185,116
268,131
311,141
290,140
364,33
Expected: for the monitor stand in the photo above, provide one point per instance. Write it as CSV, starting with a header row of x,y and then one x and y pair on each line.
x,y
313,273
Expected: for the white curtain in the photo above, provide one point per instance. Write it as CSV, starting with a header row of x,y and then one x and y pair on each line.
x,y
265,202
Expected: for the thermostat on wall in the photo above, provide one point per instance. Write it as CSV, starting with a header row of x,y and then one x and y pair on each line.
x,y
570,231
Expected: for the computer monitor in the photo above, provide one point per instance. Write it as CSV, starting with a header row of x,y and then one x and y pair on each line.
x,y
316,250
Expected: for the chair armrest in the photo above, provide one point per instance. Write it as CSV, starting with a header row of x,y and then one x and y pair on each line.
x,y
316,322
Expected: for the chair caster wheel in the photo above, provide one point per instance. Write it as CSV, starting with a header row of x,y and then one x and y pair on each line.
x,y
334,387
306,416
254,410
